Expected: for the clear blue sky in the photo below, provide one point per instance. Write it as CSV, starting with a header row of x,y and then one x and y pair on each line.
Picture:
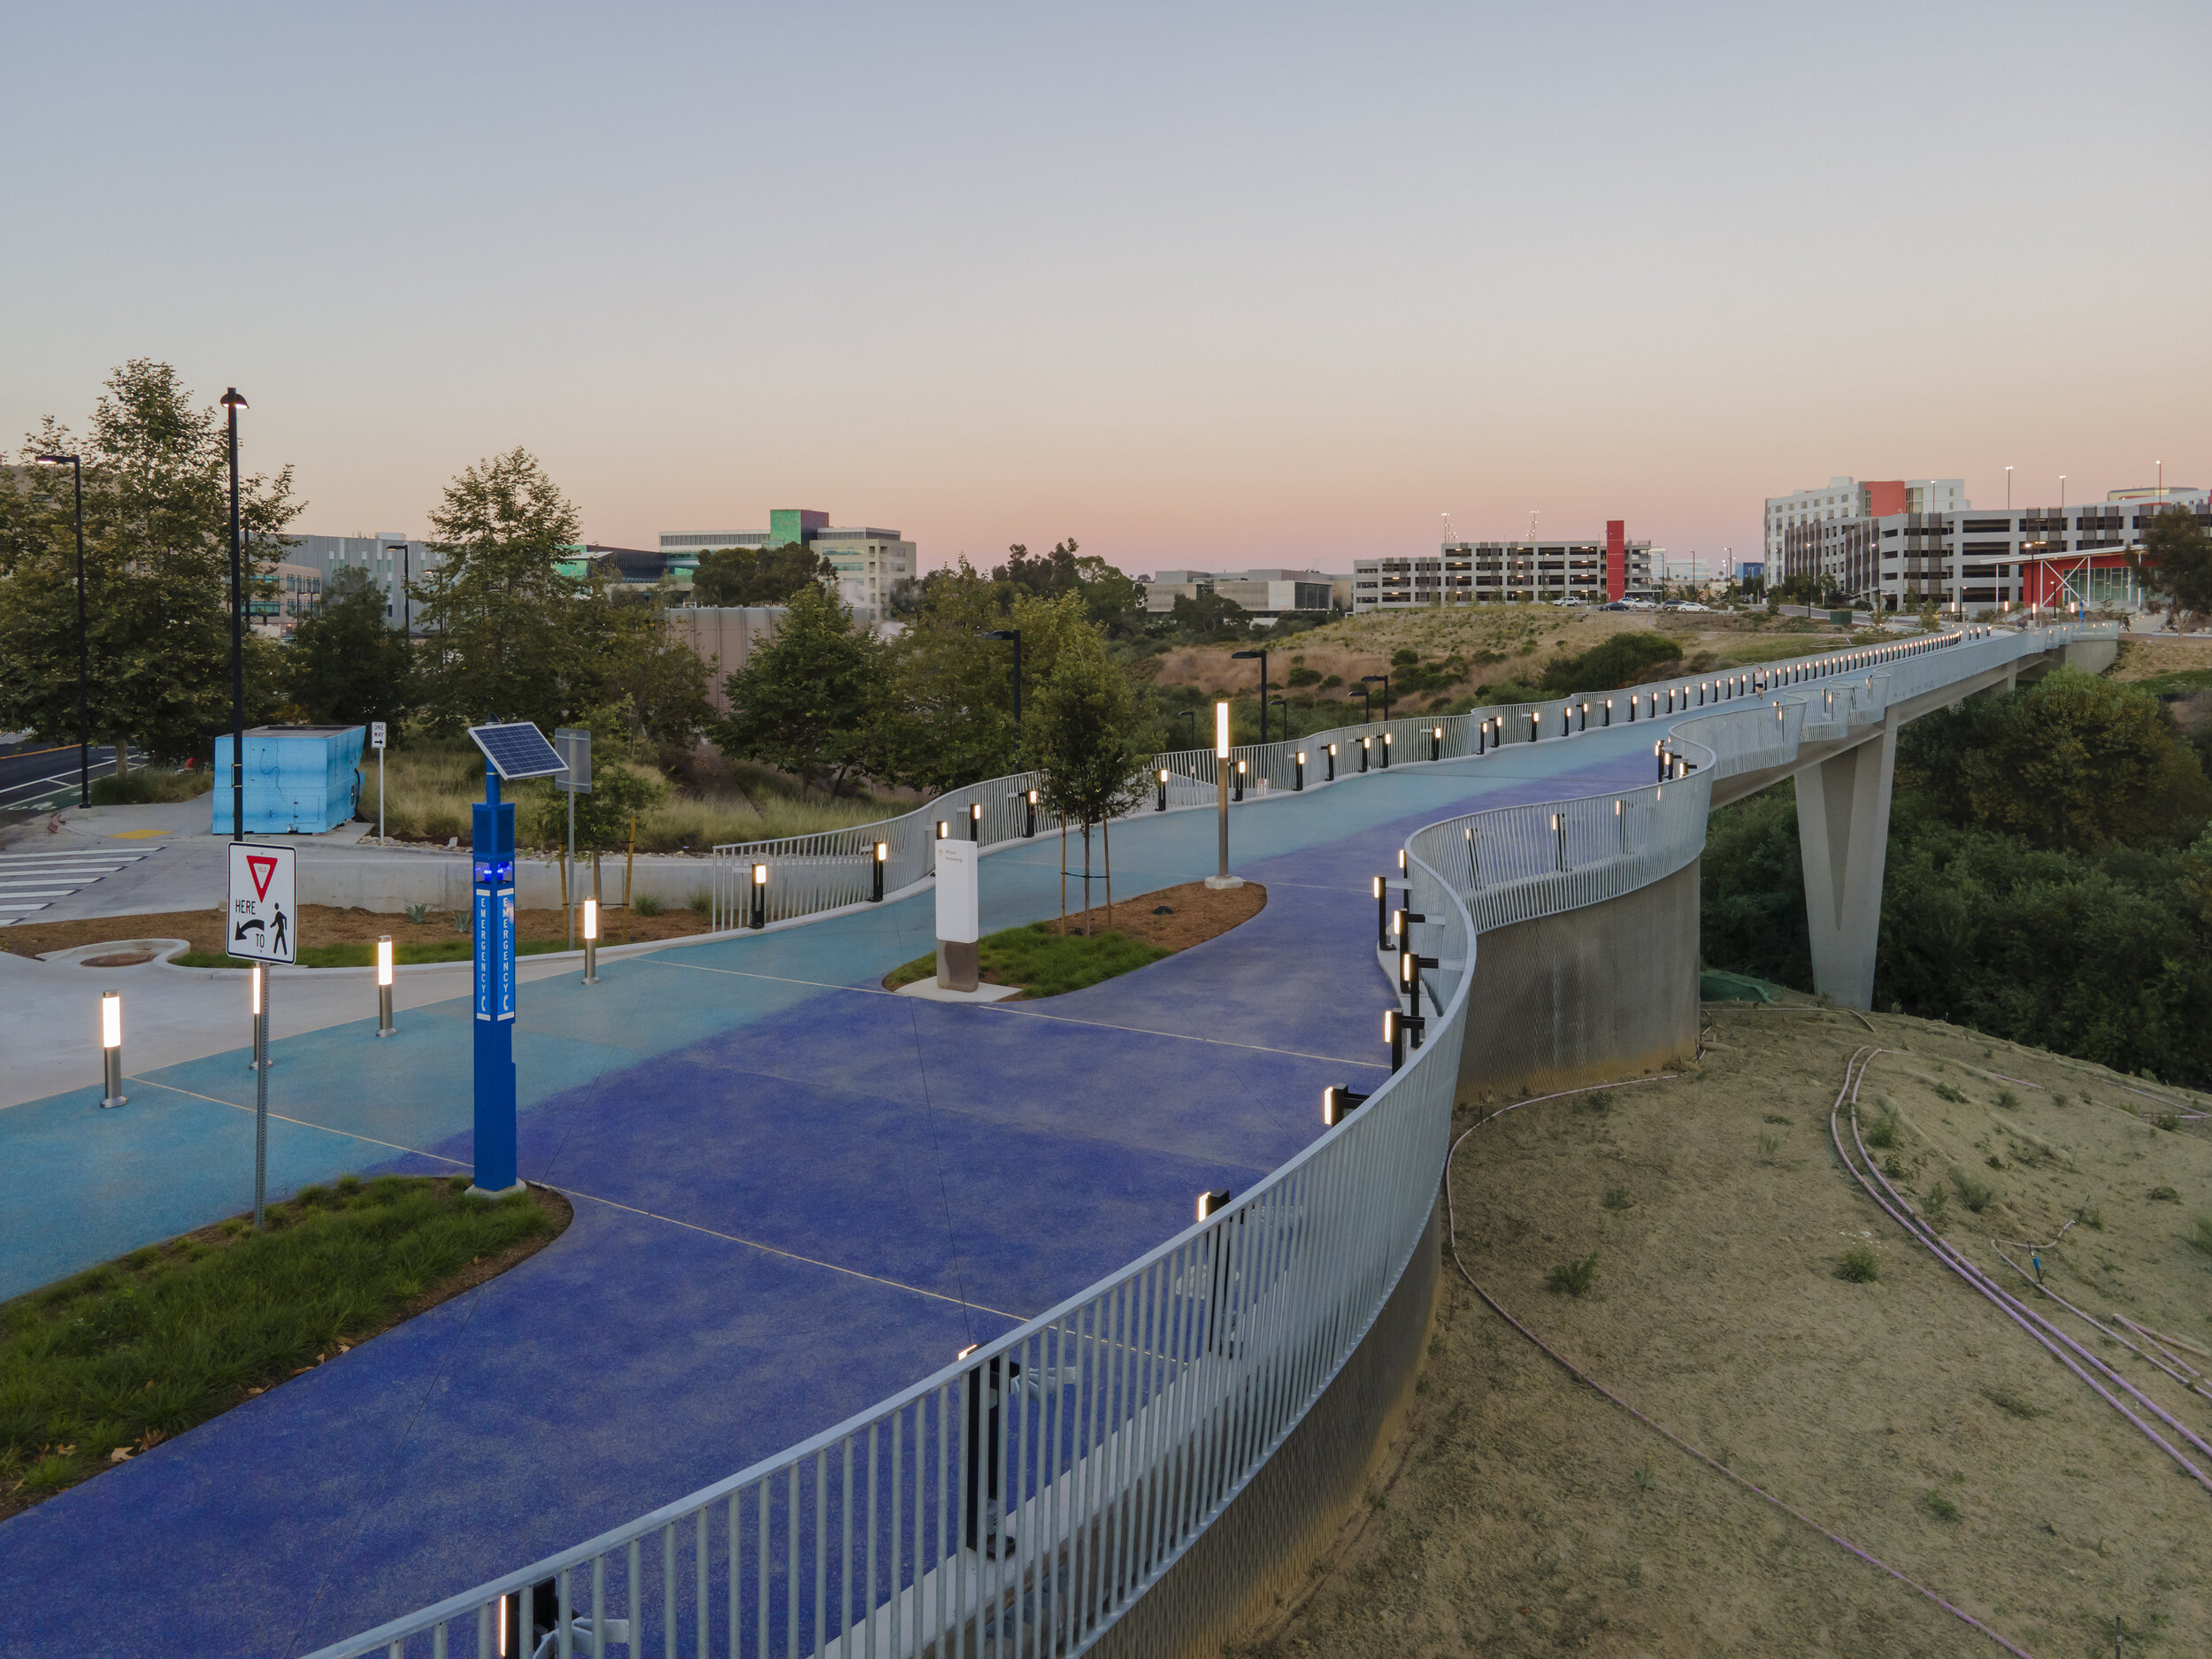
x,y
1216,284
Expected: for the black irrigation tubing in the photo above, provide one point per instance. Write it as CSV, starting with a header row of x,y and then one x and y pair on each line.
x,y
2061,1347
1595,1386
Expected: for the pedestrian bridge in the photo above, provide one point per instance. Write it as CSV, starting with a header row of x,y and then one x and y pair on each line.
x,y
1150,1462
1176,1411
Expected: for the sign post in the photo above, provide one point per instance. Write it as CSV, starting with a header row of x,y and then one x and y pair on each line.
x,y
376,743
261,926
513,752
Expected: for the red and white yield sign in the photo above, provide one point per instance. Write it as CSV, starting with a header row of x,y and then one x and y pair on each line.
x,y
261,922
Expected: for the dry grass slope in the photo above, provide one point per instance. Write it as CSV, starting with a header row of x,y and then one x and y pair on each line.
x,y
1521,1514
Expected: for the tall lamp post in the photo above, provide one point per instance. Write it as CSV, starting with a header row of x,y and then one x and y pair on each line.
x,y
75,463
1262,655
1369,678
232,404
1192,716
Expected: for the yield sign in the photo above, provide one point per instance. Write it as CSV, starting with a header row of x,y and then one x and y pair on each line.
x,y
262,866
262,914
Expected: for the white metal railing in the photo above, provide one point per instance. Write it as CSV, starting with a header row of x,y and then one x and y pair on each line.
x,y
1017,1501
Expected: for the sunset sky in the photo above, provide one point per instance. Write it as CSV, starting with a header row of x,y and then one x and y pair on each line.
x,y
1205,285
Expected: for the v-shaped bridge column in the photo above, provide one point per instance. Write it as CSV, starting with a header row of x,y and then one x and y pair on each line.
x,y
1843,831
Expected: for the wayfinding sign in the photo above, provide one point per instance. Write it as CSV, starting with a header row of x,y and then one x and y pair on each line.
x,y
261,922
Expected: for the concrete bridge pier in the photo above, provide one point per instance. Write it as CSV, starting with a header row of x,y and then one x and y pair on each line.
x,y
1843,831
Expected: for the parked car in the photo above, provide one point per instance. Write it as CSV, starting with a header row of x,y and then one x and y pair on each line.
x,y
1691,604
1619,604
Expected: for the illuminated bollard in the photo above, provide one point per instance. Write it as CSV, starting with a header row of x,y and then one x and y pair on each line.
x,y
111,1049
384,1027
1161,804
1029,817
1332,776
975,822
591,941
1237,783
760,895
1298,776
1338,1102
883,852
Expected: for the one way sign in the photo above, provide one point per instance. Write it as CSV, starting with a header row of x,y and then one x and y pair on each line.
x,y
262,923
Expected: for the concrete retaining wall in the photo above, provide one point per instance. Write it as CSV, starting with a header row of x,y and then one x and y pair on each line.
x,y
1585,997
1258,1554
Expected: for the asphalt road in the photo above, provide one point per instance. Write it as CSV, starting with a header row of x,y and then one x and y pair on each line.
x,y
46,776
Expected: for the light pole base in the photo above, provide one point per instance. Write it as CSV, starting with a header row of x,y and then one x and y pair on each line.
x,y
1223,883
118,1100
475,1191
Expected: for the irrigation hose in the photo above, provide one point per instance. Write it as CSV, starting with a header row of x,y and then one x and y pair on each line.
x,y
1583,1377
2061,1347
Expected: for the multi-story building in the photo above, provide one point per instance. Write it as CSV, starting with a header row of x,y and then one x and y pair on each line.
x,y
388,559
1969,561
1473,572
287,593
870,562
1849,498
1265,594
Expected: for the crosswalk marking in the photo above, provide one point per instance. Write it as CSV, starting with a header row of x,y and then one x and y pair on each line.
x,y
29,882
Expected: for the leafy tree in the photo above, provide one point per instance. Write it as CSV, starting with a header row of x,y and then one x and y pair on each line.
x,y
2071,761
507,633
349,666
651,690
950,717
2177,562
809,701
156,524
1623,659
1209,616
1111,600
758,576
1087,743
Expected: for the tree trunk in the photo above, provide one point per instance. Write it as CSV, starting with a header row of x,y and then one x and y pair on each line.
x,y
122,748
1087,877
1063,877
1106,838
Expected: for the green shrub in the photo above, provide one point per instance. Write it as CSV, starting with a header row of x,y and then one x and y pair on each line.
x,y
1860,1265
1575,1277
2201,1239
2164,1195
1973,1193
1939,1506
1944,1091
2170,1122
1617,1198
702,902
151,786
2006,1097
645,904
1882,1132
1623,659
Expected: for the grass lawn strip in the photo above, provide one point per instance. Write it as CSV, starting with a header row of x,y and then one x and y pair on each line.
x,y
113,1360
1050,958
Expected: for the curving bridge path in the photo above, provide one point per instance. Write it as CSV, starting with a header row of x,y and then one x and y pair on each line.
x,y
795,1196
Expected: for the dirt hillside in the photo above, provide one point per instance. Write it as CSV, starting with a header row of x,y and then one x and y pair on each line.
x,y
1522,1513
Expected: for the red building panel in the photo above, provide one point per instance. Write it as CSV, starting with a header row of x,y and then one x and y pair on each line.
x,y
1616,559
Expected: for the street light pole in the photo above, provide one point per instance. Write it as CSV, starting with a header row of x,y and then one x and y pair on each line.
x,y
84,651
1262,655
232,403
1365,679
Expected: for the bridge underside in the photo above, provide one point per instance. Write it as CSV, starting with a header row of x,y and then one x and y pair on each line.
x,y
1843,797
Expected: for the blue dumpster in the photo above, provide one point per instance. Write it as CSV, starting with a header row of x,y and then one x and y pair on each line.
x,y
300,780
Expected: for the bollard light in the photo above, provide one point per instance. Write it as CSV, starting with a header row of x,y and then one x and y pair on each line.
x,y
384,1027
1394,1033
944,830
1332,776
1338,1102
591,942
1401,861
1221,731
1385,752
1382,915
1029,817
1161,805
1436,742
111,1049
975,821
1365,743
1298,777
1608,720
1405,970
1239,795
883,852
1209,1203
760,895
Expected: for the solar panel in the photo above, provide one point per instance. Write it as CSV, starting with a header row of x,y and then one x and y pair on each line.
x,y
517,751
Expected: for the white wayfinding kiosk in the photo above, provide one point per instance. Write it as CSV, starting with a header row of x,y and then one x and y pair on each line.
x,y
958,909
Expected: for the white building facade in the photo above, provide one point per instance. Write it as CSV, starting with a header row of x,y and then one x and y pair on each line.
x,y
1849,498
870,561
